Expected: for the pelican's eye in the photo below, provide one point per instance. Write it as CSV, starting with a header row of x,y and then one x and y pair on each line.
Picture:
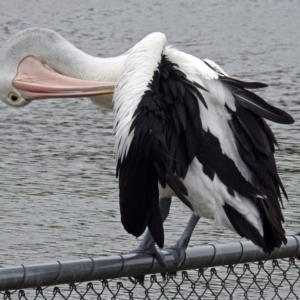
x,y
14,97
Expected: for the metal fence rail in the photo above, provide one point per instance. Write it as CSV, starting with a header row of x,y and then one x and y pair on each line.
x,y
215,272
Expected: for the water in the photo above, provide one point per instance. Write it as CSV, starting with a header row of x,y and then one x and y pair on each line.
x,y
59,197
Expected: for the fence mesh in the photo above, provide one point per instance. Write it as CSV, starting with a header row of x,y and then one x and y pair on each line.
x,y
273,279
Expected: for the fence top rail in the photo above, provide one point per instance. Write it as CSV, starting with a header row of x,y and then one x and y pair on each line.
x,y
138,264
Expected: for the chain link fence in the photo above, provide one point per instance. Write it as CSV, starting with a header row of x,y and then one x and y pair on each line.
x,y
275,277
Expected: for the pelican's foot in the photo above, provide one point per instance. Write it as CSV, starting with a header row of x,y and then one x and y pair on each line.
x,y
151,251
178,251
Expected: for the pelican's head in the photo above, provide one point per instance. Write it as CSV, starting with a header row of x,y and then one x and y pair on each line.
x,y
32,80
9,94
25,74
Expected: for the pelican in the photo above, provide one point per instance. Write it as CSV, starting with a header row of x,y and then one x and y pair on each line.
x,y
183,127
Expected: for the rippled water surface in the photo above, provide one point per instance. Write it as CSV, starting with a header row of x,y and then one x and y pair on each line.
x,y
59,197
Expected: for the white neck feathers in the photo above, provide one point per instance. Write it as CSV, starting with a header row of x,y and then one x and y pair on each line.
x,y
63,57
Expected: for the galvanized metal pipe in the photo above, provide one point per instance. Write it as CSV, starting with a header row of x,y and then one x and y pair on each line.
x,y
138,264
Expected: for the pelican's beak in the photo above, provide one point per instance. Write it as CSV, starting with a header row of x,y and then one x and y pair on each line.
x,y
35,81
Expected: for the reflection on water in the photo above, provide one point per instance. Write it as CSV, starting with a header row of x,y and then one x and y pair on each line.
x,y
59,197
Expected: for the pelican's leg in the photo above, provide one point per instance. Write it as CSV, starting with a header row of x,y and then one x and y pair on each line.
x,y
178,250
147,245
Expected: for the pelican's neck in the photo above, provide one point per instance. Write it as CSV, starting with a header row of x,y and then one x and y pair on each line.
x,y
63,57
71,61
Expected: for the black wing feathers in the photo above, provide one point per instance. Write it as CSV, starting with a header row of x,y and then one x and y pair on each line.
x,y
242,84
242,227
255,143
137,214
166,125
260,107
214,161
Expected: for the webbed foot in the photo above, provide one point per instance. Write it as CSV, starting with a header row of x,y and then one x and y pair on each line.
x,y
178,251
151,250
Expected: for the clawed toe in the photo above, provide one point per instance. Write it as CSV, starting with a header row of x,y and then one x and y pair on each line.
x,y
178,252
139,278
152,251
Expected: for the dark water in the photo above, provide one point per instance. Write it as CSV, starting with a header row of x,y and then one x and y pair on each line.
x,y
58,196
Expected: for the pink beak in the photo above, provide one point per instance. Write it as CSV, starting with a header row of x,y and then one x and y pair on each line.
x,y
35,81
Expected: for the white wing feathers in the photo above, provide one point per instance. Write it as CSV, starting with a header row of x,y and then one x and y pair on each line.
x,y
141,62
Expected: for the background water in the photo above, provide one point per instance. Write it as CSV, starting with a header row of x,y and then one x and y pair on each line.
x,y
58,196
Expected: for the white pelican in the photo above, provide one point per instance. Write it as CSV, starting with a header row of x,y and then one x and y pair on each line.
x,y
183,128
